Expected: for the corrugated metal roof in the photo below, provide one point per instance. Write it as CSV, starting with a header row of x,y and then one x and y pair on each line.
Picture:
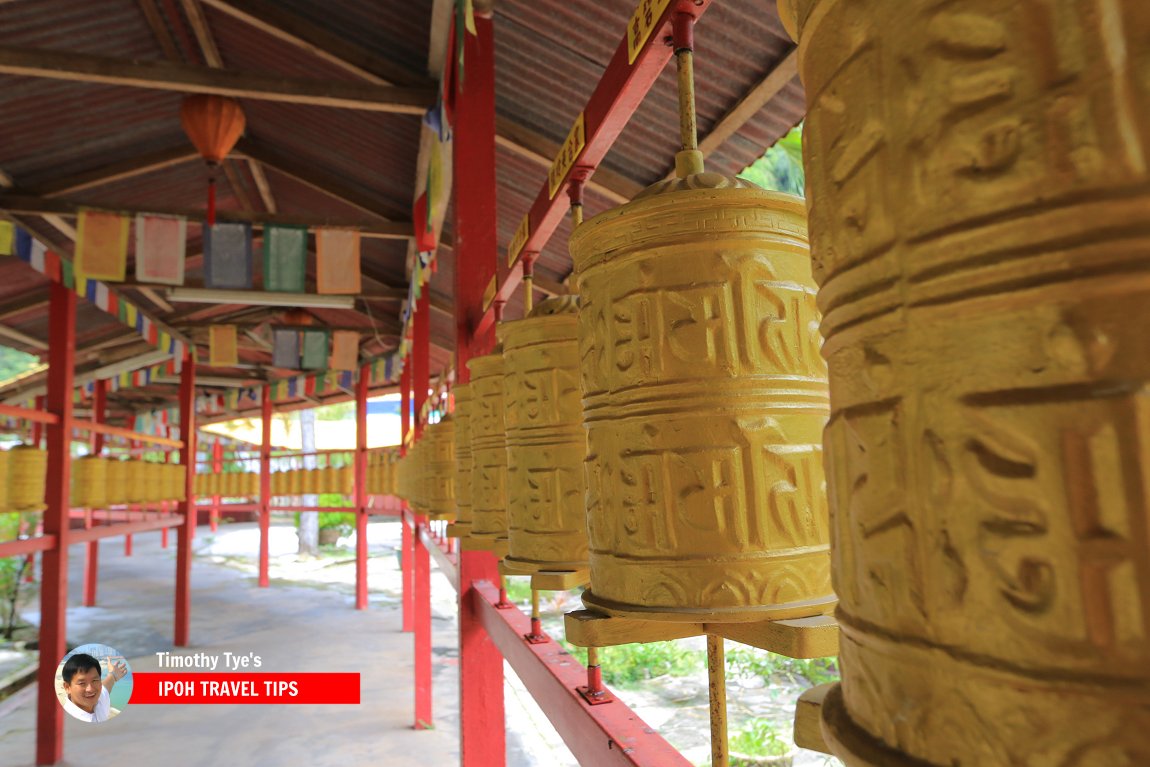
x,y
549,54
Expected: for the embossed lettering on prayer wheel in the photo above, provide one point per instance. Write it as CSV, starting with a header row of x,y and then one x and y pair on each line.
x,y
488,450
440,438
463,463
705,398
546,442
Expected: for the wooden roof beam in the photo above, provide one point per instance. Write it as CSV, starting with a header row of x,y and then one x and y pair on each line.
x,y
119,171
163,75
374,227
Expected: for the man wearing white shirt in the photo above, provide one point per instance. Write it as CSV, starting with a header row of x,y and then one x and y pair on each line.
x,y
87,696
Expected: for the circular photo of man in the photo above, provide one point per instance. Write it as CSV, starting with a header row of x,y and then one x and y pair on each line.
x,y
95,683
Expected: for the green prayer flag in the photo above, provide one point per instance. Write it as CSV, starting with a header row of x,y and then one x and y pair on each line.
x,y
285,258
315,349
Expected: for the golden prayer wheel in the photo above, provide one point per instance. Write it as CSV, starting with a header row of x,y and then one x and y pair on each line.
x,y
295,482
116,481
978,182
134,481
4,463
488,451
279,483
418,456
178,484
90,482
252,484
546,442
314,481
704,399
463,462
440,438
27,472
344,480
154,482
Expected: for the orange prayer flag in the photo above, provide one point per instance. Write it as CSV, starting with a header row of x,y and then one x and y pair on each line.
x,y
223,348
101,246
344,350
337,261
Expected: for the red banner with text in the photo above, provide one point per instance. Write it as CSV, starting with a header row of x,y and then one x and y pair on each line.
x,y
163,688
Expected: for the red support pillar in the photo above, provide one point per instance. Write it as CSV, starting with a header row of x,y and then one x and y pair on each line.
x,y
54,561
38,428
421,578
407,554
361,487
481,731
92,554
187,507
132,445
217,467
265,482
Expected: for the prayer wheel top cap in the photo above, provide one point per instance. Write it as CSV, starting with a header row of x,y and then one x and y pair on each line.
x,y
556,305
787,16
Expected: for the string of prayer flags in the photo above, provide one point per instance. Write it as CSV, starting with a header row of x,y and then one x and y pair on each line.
x,y
337,261
102,245
285,258
223,348
344,350
228,256
314,355
285,348
161,247
7,239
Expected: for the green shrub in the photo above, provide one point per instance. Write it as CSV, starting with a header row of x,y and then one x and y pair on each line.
x,y
629,665
752,662
759,738
341,520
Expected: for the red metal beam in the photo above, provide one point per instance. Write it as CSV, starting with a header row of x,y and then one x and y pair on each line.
x,y
445,562
619,93
126,528
606,736
265,482
27,546
54,561
116,431
407,554
361,487
29,414
188,505
217,468
92,563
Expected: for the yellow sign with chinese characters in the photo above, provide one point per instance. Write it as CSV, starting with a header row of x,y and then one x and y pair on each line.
x,y
576,140
642,24
519,239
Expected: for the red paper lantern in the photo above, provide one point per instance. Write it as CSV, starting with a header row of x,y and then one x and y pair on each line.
x,y
214,125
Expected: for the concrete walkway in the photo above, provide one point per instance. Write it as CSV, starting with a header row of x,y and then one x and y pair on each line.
x,y
293,628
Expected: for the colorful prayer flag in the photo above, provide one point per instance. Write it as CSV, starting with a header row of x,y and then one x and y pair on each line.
x,y
7,239
102,245
285,348
228,256
337,261
344,350
161,246
315,349
285,258
223,348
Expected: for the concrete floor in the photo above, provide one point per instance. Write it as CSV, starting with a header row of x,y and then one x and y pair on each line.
x,y
293,628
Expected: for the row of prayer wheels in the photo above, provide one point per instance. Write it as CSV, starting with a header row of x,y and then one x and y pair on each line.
x,y
291,482
99,482
665,430
229,484
382,472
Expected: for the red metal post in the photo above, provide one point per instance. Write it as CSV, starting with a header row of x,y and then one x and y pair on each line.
x,y
361,487
37,426
407,552
57,498
421,380
265,482
482,735
92,553
217,467
187,507
132,445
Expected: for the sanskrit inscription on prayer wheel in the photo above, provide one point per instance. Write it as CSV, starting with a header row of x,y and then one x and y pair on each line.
x,y
978,177
488,450
704,398
546,442
463,462
440,438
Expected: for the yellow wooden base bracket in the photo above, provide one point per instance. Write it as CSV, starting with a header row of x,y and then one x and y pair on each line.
x,y
808,719
475,544
815,637
560,580
456,530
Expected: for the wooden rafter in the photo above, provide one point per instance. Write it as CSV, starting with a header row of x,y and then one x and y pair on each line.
x,y
109,173
39,206
162,75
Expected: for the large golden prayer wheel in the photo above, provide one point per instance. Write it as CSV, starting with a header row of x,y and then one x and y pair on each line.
x,y
546,442
90,482
704,399
488,451
116,481
978,180
440,439
463,462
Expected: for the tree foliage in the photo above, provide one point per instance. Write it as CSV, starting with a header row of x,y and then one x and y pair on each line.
x,y
781,168
13,363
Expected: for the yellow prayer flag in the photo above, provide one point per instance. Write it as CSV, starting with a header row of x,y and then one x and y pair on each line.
x,y
102,245
344,350
223,349
7,238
